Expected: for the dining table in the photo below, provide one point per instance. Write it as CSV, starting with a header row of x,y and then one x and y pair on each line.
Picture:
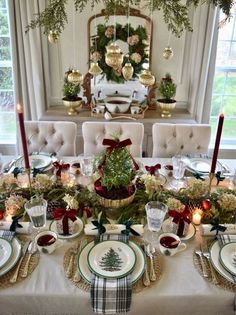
x,y
180,289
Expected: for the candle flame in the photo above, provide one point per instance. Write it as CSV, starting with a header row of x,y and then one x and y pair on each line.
x,y
19,108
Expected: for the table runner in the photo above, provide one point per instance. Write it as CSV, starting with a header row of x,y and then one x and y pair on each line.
x,y
109,296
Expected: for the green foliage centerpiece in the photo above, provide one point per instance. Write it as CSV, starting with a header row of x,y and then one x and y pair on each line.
x,y
117,169
136,41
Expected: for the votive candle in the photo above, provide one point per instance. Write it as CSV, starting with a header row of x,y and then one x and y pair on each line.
x,y
217,143
197,216
23,136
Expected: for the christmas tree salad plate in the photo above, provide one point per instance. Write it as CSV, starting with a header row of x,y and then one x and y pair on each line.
x,y
135,274
228,257
201,165
5,251
16,252
215,259
38,161
111,259
76,229
167,227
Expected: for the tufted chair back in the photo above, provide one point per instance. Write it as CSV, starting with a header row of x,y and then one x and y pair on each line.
x,y
50,137
95,132
171,139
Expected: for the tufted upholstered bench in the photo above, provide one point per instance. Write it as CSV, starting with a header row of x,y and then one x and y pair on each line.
x,y
50,137
171,139
94,133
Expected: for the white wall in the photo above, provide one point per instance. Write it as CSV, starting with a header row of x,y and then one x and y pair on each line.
x,y
72,51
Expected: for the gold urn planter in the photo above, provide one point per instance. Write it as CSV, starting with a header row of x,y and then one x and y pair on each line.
x,y
72,106
167,107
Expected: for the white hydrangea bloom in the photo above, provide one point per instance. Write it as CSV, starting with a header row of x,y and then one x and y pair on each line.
x,y
227,201
71,201
175,204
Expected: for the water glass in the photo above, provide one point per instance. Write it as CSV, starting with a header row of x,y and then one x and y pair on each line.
x,y
36,209
156,212
179,167
86,166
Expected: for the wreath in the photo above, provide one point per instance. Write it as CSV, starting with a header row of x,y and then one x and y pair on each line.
x,y
136,43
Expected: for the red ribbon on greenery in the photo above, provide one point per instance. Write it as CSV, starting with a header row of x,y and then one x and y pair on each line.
x,y
65,215
60,167
180,218
153,169
115,144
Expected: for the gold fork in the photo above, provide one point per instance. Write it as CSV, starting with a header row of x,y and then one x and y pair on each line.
x,y
199,253
206,254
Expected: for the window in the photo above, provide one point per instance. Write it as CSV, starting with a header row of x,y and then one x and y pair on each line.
x,y
7,108
224,87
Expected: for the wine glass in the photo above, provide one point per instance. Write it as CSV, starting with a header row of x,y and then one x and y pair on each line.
x,y
36,208
179,167
156,212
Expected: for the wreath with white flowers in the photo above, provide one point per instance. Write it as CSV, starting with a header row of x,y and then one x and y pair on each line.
x,y
136,44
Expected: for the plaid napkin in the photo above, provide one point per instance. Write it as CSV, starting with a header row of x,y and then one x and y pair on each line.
x,y
110,296
225,239
7,235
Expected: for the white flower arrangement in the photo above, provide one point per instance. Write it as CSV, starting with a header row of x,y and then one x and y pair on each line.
x,y
152,184
227,202
175,204
71,201
43,182
13,204
7,180
196,188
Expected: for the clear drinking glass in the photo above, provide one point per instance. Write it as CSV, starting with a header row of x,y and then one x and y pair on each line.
x,y
179,167
156,212
36,209
86,166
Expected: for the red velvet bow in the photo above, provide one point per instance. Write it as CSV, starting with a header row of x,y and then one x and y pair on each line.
x,y
65,215
152,169
177,216
60,167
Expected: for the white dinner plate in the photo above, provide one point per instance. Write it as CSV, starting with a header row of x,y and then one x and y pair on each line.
x,y
228,257
214,256
37,161
111,259
5,251
16,252
136,273
167,228
201,165
78,226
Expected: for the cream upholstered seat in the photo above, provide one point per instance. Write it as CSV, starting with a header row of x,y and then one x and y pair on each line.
x,y
95,132
51,136
171,139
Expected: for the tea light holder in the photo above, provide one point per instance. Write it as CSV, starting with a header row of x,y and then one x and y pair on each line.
x,y
197,216
23,180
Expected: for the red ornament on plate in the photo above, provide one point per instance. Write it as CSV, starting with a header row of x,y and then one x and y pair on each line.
x,y
206,204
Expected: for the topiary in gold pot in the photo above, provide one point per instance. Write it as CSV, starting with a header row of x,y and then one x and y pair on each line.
x,y
167,89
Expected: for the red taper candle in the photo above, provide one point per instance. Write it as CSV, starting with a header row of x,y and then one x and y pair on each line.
x,y
217,143
23,136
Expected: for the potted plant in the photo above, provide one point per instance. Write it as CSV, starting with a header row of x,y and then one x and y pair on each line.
x,y
117,169
167,89
71,89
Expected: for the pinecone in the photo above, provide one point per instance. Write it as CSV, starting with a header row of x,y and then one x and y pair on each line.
x,y
52,204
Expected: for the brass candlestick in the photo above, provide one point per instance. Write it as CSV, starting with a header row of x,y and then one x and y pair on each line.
x,y
211,177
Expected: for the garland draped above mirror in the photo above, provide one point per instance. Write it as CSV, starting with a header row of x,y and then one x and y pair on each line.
x,y
175,14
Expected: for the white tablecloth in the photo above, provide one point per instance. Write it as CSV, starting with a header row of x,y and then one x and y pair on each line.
x,y
180,291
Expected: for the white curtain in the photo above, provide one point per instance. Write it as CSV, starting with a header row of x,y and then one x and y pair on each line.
x,y
30,58
202,61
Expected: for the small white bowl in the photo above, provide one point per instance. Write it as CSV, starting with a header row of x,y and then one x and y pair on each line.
x,y
117,104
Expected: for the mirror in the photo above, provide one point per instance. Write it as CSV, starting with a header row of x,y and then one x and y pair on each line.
x,y
133,34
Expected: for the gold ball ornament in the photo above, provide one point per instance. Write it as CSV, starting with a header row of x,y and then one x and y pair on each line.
x,y
146,78
168,53
75,77
114,57
128,71
95,69
52,37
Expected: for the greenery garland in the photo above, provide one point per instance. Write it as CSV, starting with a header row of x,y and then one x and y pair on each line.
x,y
175,13
136,43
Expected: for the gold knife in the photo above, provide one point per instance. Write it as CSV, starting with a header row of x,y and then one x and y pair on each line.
x,y
23,253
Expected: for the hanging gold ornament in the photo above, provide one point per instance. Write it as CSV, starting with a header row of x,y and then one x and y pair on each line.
x,y
128,71
52,37
75,77
168,53
114,57
95,69
146,78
